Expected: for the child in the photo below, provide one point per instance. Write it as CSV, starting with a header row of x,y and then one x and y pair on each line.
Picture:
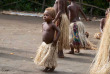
x,y
46,54
102,24
62,22
77,29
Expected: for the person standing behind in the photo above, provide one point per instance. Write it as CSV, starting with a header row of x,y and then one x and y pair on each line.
x,y
77,29
62,22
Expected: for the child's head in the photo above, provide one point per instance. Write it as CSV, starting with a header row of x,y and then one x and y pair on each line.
x,y
49,14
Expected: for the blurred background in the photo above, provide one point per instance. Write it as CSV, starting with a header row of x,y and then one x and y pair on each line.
x,y
90,7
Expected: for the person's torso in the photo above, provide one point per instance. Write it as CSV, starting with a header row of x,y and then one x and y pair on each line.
x,y
74,13
63,5
48,33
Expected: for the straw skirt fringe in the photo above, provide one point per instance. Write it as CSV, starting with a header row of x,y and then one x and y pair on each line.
x,y
64,36
81,33
46,56
101,63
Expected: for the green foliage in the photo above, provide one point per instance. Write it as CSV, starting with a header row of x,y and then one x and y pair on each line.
x,y
26,5
102,4
23,5
99,3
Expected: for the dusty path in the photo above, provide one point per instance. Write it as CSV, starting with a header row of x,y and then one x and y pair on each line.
x,y
21,36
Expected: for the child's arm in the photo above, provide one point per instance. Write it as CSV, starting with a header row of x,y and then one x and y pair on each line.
x,y
101,25
59,11
68,8
58,34
42,25
83,14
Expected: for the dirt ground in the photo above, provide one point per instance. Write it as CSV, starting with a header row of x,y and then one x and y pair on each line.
x,y
20,36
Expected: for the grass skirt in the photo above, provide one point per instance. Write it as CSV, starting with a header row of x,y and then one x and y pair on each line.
x,y
74,35
81,33
90,45
101,63
46,55
64,28
84,42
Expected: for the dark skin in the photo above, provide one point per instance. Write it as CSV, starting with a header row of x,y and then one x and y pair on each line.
x,y
49,29
60,7
72,49
102,24
74,10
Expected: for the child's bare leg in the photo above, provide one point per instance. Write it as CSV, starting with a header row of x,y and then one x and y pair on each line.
x,y
78,49
60,54
60,50
72,49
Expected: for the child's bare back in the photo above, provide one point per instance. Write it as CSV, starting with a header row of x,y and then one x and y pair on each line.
x,y
74,10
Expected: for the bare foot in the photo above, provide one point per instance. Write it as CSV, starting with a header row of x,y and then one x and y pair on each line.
x,y
46,69
60,54
52,69
77,51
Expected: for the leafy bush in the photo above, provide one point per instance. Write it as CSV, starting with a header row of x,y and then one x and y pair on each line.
x,y
102,4
26,5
